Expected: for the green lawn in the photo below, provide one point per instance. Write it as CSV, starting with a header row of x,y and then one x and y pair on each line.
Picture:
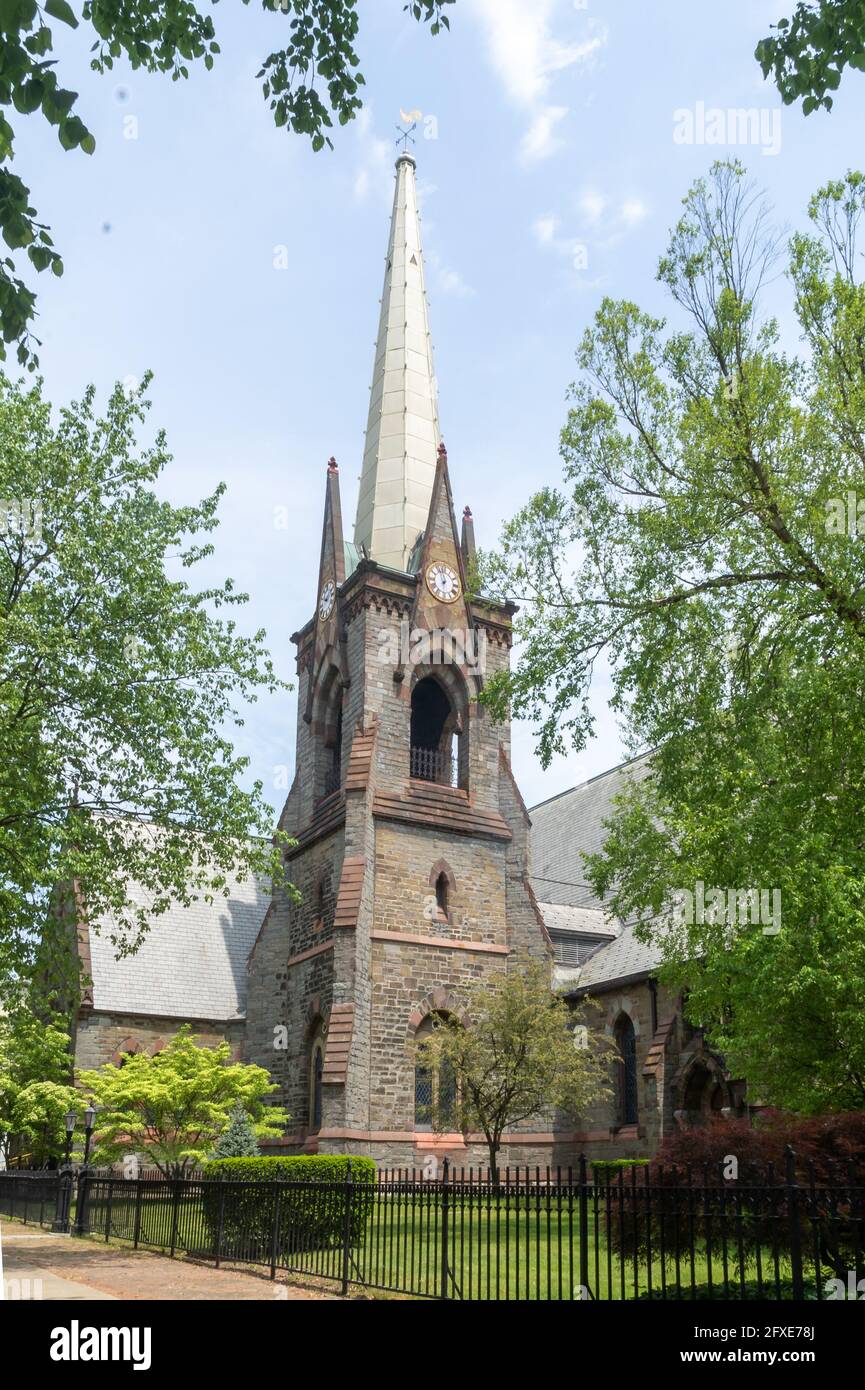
x,y
526,1250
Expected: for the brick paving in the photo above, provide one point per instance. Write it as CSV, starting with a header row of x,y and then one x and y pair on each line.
x,y
75,1268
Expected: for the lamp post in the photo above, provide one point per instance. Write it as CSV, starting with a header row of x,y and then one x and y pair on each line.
x,y
71,1118
64,1193
89,1117
83,1175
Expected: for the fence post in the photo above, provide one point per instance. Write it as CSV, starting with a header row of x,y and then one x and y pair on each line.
x,y
584,1227
220,1225
443,1264
108,1209
274,1238
63,1204
83,1198
137,1231
346,1229
793,1222
175,1212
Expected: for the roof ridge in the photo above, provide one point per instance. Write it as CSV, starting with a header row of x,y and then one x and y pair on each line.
x,y
578,786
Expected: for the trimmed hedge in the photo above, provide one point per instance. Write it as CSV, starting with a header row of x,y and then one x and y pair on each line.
x,y
613,1166
750,1291
294,1168
311,1215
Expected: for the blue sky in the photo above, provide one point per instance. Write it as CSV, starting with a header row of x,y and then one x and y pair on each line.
x,y
245,271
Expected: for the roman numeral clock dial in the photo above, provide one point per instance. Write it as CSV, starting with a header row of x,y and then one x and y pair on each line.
x,y
325,602
443,582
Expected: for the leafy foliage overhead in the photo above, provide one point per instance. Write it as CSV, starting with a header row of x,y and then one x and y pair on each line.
x,y
708,548
313,78
808,53
117,682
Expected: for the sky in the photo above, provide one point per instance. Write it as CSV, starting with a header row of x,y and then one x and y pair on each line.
x,y
244,271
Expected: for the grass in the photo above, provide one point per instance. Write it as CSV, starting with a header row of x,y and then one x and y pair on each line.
x,y
526,1249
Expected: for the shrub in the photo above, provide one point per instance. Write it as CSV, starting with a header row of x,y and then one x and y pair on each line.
x,y
601,1167
311,1214
690,1189
751,1291
238,1139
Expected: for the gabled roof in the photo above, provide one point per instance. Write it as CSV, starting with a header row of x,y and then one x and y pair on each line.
x,y
564,829
191,964
571,825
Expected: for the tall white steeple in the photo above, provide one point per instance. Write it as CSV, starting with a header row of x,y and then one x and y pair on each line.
x,y
402,432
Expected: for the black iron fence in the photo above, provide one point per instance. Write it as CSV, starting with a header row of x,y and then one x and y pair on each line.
x,y
32,1197
529,1234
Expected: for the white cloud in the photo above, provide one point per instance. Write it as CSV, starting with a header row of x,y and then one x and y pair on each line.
x,y
527,55
373,161
539,141
602,222
592,205
445,278
634,210
545,229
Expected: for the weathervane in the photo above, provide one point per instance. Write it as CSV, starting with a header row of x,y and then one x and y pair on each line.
x,y
405,136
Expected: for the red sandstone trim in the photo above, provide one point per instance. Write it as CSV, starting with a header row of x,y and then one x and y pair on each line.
x,y
427,1141
442,942
350,892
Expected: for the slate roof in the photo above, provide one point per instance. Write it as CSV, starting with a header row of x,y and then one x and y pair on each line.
x,y
623,957
580,920
570,825
564,829
191,964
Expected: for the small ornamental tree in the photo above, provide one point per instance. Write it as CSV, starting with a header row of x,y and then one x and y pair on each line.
x,y
35,1089
238,1140
173,1106
517,1058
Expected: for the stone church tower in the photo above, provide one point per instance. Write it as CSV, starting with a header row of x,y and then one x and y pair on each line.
x,y
411,838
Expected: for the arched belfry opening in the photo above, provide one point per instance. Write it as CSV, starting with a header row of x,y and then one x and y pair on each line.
x,y
435,727
327,728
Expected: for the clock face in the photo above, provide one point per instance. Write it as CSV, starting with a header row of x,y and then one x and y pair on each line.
x,y
325,603
443,582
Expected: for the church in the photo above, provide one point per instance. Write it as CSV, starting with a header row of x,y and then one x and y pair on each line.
x,y
419,868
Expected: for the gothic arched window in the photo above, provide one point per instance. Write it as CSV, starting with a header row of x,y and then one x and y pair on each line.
x,y
327,729
316,1073
435,1088
433,723
626,1089
442,888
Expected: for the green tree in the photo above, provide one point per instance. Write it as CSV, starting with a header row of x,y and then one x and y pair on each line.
x,y
709,545
516,1059
173,1106
35,1086
312,79
808,53
117,680
238,1139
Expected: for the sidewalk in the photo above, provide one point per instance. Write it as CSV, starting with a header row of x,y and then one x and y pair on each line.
x,y
72,1268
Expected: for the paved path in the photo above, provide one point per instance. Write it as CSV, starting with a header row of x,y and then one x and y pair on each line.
x,y
70,1267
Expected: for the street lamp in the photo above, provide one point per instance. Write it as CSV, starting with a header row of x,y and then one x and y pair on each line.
x,y
64,1196
71,1118
89,1117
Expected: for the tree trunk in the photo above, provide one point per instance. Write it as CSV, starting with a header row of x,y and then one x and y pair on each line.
x,y
493,1147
